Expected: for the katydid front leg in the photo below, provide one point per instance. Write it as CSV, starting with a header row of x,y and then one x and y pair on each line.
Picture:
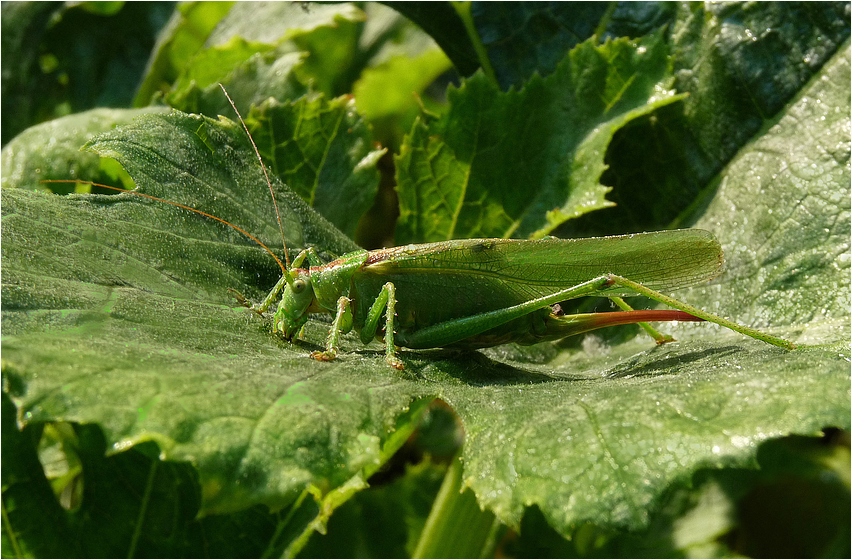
x,y
341,324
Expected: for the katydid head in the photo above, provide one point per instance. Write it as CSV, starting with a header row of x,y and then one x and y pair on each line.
x,y
292,310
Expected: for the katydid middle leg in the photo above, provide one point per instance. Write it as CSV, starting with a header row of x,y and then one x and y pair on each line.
x,y
386,301
384,305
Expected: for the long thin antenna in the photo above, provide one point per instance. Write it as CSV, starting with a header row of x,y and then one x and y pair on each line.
x,y
265,174
179,205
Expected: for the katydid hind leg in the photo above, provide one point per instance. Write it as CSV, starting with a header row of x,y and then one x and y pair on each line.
x,y
658,337
700,313
457,330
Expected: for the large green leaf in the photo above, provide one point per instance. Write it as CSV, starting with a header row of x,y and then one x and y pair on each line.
x,y
115,314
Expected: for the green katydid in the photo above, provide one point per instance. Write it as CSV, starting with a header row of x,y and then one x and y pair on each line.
x,y
485,292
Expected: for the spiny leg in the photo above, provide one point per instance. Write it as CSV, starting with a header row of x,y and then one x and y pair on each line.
x,y
449,332
701,314
263,306
342,324
658,337
386,301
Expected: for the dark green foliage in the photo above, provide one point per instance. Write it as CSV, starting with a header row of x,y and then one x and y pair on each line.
x,y
145,414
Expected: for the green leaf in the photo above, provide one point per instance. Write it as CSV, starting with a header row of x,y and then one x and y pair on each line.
x,y
378,510
781,212
210,164
116,316
522,38
250,51
459,175
322,149
257,73
339,55
184,34
441,21
740,64
790,270
395,85
23,25
71,58
51,151
34,525
132,502
387,89
272,22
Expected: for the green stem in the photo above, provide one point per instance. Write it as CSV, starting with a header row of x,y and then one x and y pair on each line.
x,y
463,10
457,527
143,509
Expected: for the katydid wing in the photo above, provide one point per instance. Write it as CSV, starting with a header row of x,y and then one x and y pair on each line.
x,y
451,280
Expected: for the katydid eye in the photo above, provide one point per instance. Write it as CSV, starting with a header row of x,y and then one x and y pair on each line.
x,y
299,286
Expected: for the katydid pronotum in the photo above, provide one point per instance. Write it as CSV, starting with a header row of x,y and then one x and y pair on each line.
x,y
484,292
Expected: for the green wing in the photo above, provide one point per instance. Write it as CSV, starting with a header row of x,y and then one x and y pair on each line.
x,y
663,260
436,282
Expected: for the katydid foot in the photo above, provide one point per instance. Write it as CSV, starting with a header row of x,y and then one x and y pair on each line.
x,y
241,299
394,362
323,355
327,356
